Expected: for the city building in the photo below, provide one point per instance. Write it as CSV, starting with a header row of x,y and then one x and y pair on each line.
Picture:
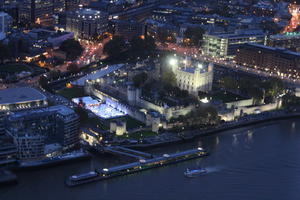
x,y
8,151
2,129
43,132
129,28
71,5
118,127
282,62
195,78
224,45
5,24
36,11
44,37
21,98
59,6
87,23
288,40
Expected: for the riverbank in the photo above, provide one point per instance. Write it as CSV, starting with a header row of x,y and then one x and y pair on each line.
x,y
171,138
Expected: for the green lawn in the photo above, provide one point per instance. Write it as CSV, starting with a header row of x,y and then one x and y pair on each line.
x,y
71,93
226,96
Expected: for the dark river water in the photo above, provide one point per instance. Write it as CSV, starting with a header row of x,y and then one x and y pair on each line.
x,y
260,162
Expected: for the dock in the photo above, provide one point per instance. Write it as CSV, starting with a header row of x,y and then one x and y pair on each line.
x,y
140,165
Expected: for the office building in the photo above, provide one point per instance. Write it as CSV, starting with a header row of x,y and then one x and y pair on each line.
x,y
36,11
5,24
21,98
224,45
282,62
43,132
129,28
87,23
288,40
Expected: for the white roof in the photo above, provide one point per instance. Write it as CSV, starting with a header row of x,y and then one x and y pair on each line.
x,y
20,94
97,74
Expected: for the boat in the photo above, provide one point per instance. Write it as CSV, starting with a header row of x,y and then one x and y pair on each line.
x,y
192,173
84,176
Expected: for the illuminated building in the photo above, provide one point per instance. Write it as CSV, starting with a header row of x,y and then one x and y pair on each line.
x,y
129,28
5,24
282,62
36,11
59,6
225,45
87,23
288,40
43,132
195,78
7,151
118,127
21,98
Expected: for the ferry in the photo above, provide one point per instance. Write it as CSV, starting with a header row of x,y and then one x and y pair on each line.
x,y
84,176
194,172
141,165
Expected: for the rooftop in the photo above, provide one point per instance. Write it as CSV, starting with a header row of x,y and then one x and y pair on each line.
x,y
20,94
61,109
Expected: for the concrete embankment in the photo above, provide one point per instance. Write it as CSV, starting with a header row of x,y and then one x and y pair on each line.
x,y
192,134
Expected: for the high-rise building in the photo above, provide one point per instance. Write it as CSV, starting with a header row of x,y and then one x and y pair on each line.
x,y
5,24
224,45
129,28
87,23
71,5
43,132
59,6
36,11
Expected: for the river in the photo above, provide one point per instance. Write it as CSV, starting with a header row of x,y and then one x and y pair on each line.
x,y
260,162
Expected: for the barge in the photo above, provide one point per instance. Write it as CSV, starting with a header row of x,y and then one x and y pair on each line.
x,y
141,165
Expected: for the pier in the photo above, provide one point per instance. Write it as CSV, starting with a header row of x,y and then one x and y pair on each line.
x,y
140,165
118,150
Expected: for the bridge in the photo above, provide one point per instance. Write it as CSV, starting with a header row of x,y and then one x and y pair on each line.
x,y
118,150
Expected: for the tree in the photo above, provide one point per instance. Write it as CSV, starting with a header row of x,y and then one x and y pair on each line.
x,y
168,77
73,68
83,115
256,93
194,35
115,47
270,27
229,83
54,74
142,47
274,87
72,48
43,82
165,36
4,52
140,79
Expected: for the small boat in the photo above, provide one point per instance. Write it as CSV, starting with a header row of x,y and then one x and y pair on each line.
x,y
194,172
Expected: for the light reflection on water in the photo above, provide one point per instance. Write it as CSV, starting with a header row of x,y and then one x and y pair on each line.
x,y
257,162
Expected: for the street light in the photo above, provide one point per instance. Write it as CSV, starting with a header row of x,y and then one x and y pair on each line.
x,y
173,62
